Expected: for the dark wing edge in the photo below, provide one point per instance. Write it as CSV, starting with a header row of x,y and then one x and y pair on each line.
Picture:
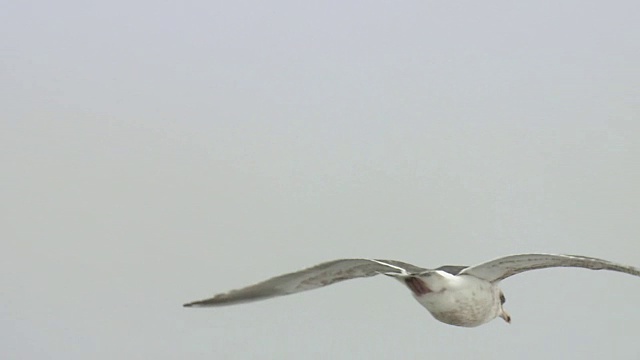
x,y
311,278
504,267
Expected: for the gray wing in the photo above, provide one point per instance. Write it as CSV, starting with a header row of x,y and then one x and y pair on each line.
x,y
314,277
502,268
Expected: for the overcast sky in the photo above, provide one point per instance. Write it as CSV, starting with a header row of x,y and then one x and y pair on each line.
x,y
155,153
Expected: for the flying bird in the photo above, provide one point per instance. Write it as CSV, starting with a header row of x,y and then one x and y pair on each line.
x,y
466,296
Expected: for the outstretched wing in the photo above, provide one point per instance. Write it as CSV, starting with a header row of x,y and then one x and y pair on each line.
x,y
314,277
502,268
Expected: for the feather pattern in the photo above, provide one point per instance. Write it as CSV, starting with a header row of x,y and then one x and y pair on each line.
x,y
504,267
311,278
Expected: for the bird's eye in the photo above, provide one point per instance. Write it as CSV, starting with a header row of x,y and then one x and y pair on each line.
x,y
502,298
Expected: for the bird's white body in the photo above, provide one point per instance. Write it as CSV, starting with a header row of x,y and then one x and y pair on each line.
x,y
461,300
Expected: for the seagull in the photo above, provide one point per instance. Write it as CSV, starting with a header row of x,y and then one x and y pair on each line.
x,y
466,296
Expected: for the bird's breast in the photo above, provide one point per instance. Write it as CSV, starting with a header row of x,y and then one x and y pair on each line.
x,y
463,301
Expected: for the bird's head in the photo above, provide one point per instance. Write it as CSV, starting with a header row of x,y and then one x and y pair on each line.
x,y
501,312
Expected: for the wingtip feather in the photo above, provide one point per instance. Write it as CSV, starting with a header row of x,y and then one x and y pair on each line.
x,y
192,304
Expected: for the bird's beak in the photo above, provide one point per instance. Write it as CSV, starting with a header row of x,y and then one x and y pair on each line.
x,y
505,316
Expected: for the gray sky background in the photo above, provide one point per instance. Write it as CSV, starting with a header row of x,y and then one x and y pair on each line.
x,y
159,152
